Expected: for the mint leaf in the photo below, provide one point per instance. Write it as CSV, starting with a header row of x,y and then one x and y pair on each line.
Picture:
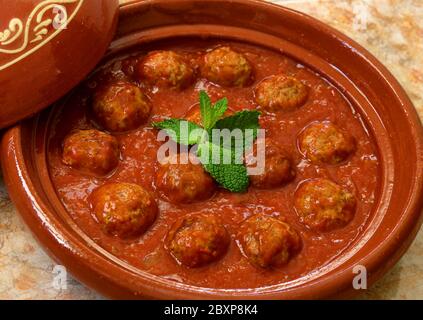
x,y
211,114
245,119
181,131
233,177
222,154
223,166
219,109
247,122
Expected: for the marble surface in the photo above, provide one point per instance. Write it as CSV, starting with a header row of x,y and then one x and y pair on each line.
x,y
391,29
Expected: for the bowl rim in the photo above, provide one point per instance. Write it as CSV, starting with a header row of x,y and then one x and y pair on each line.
x,y
92,270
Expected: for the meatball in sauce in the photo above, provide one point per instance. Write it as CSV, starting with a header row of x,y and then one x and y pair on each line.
x,y
91,151
309,205
278,168
325,142
166,68
181,179
226,67
324,205
268,242
281,93
120,106
197,240
123,209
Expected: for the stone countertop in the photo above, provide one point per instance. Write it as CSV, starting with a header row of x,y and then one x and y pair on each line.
x,y
391,29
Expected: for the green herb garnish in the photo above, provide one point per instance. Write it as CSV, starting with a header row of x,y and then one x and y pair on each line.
x,y
221,142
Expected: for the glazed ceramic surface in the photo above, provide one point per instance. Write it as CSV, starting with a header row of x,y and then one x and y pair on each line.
x,y
46,49
344,63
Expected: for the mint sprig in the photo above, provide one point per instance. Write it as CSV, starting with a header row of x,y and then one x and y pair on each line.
x,y
222,158
210,114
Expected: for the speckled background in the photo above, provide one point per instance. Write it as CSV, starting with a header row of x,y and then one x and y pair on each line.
x,y
391,29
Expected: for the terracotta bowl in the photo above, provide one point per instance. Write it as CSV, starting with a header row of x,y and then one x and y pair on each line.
x,y
37,47
379,98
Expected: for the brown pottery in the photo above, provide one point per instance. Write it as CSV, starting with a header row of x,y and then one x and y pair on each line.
x,y
366,83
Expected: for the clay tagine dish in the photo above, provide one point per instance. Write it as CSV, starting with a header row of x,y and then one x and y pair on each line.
x,y
340,188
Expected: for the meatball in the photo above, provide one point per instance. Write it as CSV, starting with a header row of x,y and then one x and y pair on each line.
x,y
277,170
226,67
197,240
120,106
181,180
91,151
324,205
281,93
123,209
324,142
267,241
167,69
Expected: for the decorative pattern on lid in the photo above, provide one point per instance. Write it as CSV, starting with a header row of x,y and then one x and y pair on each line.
x,y
23,36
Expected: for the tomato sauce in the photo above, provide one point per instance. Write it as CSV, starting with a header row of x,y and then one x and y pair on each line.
x,y
360,173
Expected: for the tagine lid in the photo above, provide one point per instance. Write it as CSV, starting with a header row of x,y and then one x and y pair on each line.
x,y
46,48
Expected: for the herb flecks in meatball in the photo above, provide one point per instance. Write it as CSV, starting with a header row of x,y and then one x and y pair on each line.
x,y
226,67
166,69
120,106
91,151
197,240
281,93
277,170
181,180
324,142
324,205
268,241
123,209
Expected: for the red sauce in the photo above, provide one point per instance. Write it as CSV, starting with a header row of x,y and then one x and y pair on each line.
x,y
138,165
